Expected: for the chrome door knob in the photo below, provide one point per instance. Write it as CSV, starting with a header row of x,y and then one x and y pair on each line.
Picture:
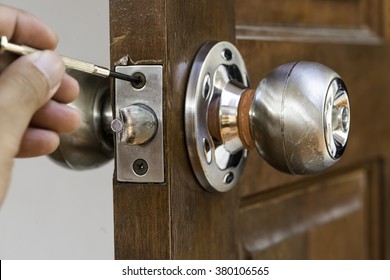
x,y
92,145
298,117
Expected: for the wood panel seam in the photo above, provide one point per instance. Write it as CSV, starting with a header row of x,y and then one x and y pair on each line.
x,y
362,36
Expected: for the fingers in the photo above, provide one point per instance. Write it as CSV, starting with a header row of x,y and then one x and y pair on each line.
x,y
56,117
37,142
68,90
23,28
6,59
25,86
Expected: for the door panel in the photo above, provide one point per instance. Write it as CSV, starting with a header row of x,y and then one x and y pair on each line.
x,y
141,216
360,55
327,218
335,215
352,14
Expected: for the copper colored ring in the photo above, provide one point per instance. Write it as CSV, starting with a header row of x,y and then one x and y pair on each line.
x,y
244,126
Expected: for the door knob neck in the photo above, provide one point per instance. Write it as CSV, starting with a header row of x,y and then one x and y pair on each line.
x,y
244,120
229,117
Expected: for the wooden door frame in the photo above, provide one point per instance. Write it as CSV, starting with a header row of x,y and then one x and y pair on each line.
x,y
158,221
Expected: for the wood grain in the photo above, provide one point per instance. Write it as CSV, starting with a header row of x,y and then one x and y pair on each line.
x,y
178,220
324,13
365,69
346,22
332,218
196,214
141,212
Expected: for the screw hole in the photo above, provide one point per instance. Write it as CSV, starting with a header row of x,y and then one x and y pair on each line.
x,y
206,87
228,178
227,54
141,80
207,150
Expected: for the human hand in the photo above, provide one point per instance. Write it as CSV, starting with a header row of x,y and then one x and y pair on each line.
x,y
34,90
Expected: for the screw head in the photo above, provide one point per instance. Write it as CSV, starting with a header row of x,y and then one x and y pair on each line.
x,y
117,125
140,167
227,54
141,80
229,177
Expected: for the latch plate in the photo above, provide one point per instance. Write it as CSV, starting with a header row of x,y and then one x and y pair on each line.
x,y
140,163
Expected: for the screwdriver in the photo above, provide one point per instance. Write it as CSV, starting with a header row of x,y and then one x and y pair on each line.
x,y
71,63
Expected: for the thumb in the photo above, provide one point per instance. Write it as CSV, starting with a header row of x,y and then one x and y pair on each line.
x,y
25,86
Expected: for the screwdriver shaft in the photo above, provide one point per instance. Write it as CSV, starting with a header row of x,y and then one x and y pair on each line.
x,y
71,63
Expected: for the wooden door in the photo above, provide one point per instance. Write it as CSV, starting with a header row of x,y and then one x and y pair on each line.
x,y
340,214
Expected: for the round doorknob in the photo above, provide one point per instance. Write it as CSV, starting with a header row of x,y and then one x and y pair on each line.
x,y
92,144
298,118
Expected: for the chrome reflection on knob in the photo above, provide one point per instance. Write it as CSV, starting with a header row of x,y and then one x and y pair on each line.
x,y
92,144
300,118
337,118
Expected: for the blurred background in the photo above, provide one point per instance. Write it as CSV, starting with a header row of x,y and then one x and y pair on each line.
x,y
49,212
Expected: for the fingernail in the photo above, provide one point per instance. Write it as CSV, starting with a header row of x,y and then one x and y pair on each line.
x,y
52,66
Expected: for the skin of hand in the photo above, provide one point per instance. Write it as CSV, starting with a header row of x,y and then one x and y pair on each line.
x,y
34,90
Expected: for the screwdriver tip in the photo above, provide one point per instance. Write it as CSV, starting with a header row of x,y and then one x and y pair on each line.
x,y
124,77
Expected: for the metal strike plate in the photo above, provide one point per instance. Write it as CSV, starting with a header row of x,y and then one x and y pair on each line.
x,y
140,163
